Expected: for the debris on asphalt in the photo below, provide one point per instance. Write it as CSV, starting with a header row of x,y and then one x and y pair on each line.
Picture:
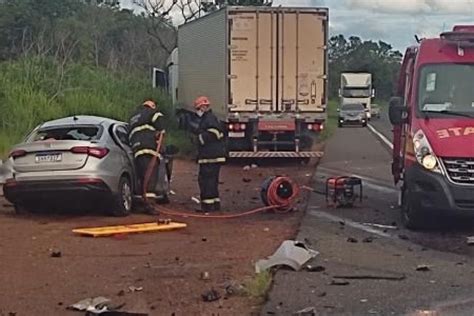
x,y
403,237
339,282
172,192
423,268
364,300
394,277
195,200
246,168
233,288
246,180
266,229
470,241
121,293
352,240
56,254
205,276
308,311
210,296
394,227
290,253
132,289
368,239
311,268
92,304
322,294
204,239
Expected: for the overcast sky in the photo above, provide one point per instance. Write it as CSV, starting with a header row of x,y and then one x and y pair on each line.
x,y
393,21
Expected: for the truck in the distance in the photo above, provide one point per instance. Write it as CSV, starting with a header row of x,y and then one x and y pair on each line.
x,y
265,72
357,88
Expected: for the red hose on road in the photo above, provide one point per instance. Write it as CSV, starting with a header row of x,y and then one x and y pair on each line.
x,y
280,196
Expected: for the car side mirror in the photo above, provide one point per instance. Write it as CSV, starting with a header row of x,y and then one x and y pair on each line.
x,y
397,112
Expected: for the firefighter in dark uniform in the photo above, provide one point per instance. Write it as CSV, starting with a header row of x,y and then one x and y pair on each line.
x,y
211,155
145,127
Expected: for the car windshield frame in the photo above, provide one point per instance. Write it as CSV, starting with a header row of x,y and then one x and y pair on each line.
x,y
443,106
360,107
31,137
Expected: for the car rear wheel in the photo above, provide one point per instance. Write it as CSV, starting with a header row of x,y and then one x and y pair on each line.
x,y
21,208
123,201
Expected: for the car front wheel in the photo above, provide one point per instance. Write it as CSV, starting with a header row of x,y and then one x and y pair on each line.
x,y
123,199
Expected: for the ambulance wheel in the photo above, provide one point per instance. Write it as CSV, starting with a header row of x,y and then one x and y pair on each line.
x,y
123,201
411,218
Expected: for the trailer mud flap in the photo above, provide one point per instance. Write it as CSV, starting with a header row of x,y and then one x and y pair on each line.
x,y
276,154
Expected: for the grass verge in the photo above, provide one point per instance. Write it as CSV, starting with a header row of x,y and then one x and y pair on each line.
x,y
34,90
258,287
331,122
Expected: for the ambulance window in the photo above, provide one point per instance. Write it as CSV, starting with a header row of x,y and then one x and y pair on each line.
x,y
431,82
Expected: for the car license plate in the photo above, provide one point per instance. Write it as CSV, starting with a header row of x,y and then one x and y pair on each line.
x,y
236,134
46,158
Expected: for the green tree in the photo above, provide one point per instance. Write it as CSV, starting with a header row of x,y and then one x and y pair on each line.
x,y
355,55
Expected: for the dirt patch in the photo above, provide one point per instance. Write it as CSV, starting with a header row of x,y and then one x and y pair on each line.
x,y
168,266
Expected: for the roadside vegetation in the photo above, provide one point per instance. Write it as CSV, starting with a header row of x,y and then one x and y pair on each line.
x,y
60,58
32,90
331,122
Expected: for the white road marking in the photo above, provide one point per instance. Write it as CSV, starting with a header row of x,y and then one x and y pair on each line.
x,y
348,222
381,136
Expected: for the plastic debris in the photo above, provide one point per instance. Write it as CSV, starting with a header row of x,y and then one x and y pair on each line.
x,y
352,240
246,168
291,253
395,277
308,311
92,304
205,276
254,166
381,226
135,288
56,254
339,282
368,240
423,268
311,268
470,241
211,296
247,180
172,192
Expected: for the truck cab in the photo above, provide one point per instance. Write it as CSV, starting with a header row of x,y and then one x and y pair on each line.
x,y
433,134
357,88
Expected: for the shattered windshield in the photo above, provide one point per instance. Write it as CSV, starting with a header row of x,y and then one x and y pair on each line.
x,y
447,88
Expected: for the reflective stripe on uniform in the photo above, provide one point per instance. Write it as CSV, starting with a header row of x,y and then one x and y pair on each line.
x,y
156,116
208,201
215,160
147,152
201,140
142,128
216,132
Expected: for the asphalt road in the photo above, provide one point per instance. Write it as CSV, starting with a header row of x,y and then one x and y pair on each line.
x,y
445,288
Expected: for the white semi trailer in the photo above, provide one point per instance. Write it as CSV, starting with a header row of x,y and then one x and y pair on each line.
x,y
265,72
357,88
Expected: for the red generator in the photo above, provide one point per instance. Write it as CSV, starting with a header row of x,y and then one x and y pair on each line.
x,y
341,191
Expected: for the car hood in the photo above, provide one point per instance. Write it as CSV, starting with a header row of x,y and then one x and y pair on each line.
x,y
352,113
450,137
